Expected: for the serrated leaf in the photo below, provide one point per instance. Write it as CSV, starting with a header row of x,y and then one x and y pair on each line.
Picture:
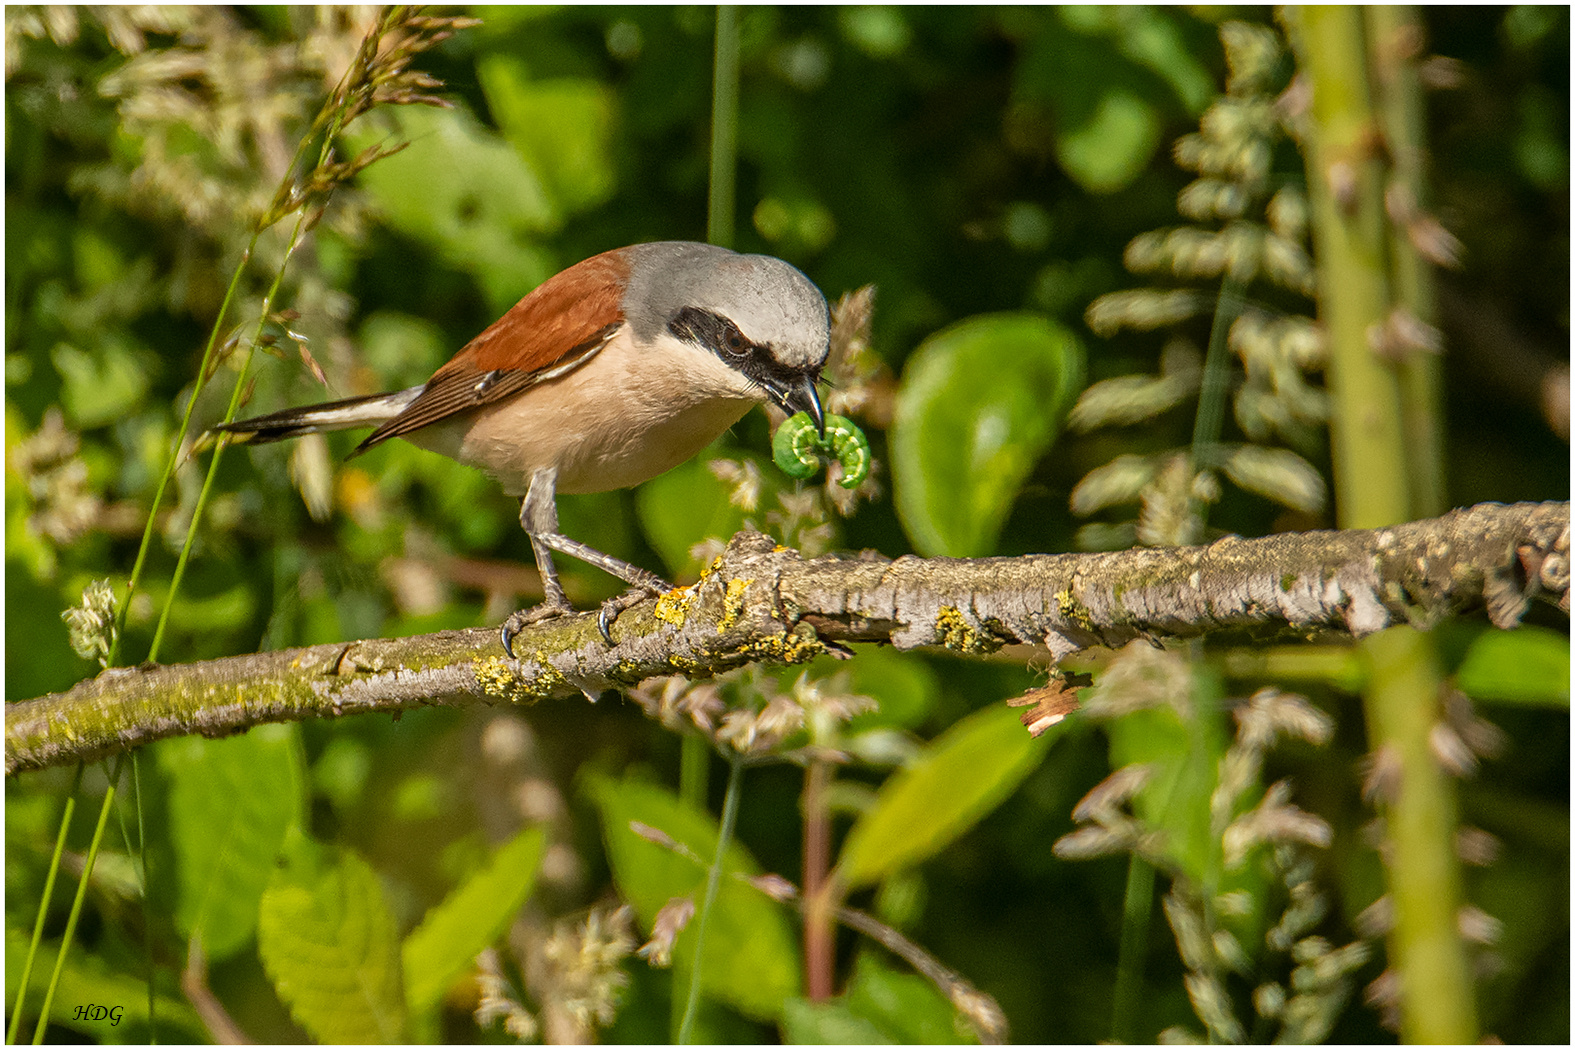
x,y
327,942
980,403
752,956
468,920
1529,665
961,776
231,803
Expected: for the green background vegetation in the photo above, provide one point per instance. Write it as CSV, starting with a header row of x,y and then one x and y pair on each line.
x,y
966,161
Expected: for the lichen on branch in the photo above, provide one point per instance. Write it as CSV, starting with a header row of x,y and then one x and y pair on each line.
x,y
759,603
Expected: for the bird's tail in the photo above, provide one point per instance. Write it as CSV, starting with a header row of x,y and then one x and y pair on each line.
x,y
335,415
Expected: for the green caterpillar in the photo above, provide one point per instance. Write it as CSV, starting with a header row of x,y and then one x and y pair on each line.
x,y
798,446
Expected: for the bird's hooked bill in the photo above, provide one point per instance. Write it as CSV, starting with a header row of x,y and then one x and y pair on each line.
x,y
803,397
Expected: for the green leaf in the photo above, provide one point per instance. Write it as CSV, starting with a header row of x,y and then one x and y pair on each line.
x,y
562,127
833,1022
468,920
231,802
1529,665
680,508
327,942
752,956
1115,143
882,1005
961,776
980,402
1185,754
463,190
902,683
103,385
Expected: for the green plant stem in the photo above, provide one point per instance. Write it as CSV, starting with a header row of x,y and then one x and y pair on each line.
x,y
43,906
218,449
1371,473
820,893
147,919
713,883
329,120
1424,874
1136,911
1374,479
1392,33
724,128
76,902
694,771
174,457
1214,390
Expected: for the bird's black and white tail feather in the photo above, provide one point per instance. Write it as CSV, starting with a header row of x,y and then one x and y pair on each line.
x,y
348,414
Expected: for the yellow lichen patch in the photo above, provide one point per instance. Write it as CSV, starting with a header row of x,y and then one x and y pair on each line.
x,y
496,680
673,607
1072,610
955,632
797,646
733,603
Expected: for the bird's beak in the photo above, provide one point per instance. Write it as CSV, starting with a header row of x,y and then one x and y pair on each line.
x,y
802,397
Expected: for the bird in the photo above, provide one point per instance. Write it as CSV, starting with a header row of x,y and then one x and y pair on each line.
x,y
607,374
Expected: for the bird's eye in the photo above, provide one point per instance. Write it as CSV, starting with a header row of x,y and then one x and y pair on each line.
x,y
736,343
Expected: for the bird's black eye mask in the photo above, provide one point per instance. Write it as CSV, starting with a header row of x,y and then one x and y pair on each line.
x,y
717,334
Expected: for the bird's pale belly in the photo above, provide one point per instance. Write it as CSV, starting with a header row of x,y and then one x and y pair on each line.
x,y
514,440
616,454
617,421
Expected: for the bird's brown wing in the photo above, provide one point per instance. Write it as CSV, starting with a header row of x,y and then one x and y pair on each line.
x,y
555,329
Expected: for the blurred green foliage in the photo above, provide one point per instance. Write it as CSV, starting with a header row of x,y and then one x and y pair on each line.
x,y
967,161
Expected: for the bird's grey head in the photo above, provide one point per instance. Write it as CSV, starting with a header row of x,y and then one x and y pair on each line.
x,y
757,314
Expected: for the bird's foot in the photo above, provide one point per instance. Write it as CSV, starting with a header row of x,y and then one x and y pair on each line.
x,y
525,617
612,607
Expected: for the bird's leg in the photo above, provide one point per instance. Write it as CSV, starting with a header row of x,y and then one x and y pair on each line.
x,y
645,583
539,518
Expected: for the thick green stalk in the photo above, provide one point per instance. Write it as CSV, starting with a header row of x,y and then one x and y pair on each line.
x,y
695,756
1371,472
1438,1000
1394,36
724,128
1375,477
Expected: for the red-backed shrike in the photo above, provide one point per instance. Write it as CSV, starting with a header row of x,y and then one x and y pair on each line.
x,y
617,369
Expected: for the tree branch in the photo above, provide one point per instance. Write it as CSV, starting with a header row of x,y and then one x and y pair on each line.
x,y
761,603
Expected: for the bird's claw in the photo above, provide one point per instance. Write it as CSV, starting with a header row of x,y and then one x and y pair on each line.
x,y
525,617
612,607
